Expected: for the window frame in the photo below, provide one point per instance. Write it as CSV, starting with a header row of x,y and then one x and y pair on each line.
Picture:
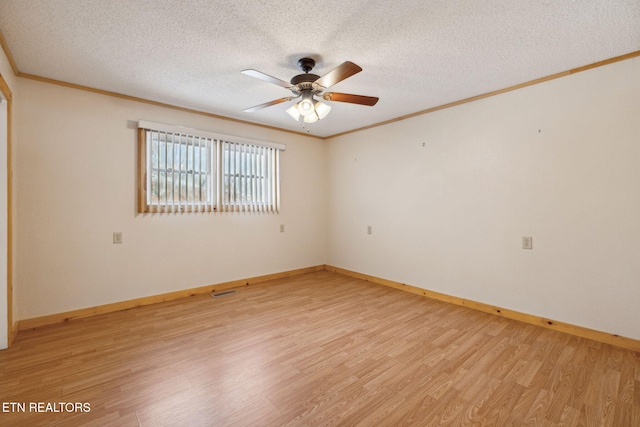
x,y
216,173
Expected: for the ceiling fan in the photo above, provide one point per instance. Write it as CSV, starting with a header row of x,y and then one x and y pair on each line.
x,y
308,86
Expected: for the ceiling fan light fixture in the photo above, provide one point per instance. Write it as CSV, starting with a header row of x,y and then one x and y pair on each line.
x,y
311,118
322,110
306,86
293,112
305,107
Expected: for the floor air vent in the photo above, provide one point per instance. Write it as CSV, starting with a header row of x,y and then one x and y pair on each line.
x,y
221,294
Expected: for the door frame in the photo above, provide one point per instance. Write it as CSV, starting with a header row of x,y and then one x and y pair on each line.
x,y
11,331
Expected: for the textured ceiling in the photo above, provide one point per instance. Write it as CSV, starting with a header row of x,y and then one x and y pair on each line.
x,y
415,54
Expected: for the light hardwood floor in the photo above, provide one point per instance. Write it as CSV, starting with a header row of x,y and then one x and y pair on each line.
x,y
317,349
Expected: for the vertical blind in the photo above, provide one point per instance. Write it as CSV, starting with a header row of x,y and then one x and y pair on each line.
x,y
179,172
250,177
186,170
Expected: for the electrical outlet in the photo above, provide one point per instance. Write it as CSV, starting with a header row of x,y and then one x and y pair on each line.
x,y
369,229
527,242
117,237
282,228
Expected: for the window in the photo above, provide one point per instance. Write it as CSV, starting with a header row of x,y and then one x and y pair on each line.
x,y
179,172
187,170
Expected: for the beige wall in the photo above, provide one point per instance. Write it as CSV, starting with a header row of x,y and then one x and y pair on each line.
x,y
450,195
77,186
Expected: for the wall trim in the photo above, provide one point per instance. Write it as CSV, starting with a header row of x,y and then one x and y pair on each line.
x,y
497,92
14,332
602,63
51,319
567,328
7,53
157,103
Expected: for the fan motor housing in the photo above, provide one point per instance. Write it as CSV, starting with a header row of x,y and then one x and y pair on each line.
x,y
306,64
309,85
304,78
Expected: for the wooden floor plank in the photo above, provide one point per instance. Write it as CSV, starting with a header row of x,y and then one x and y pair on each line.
x,y
319,349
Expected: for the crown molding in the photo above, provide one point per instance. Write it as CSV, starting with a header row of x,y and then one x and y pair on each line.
x,y
386,122
7,52
497,92
156,103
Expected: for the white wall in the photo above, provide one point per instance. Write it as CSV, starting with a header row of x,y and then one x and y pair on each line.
x,y
450,195
77,186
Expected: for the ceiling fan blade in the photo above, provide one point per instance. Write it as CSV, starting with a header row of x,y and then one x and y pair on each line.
x,y
353,99
268,104
267,78
338,74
